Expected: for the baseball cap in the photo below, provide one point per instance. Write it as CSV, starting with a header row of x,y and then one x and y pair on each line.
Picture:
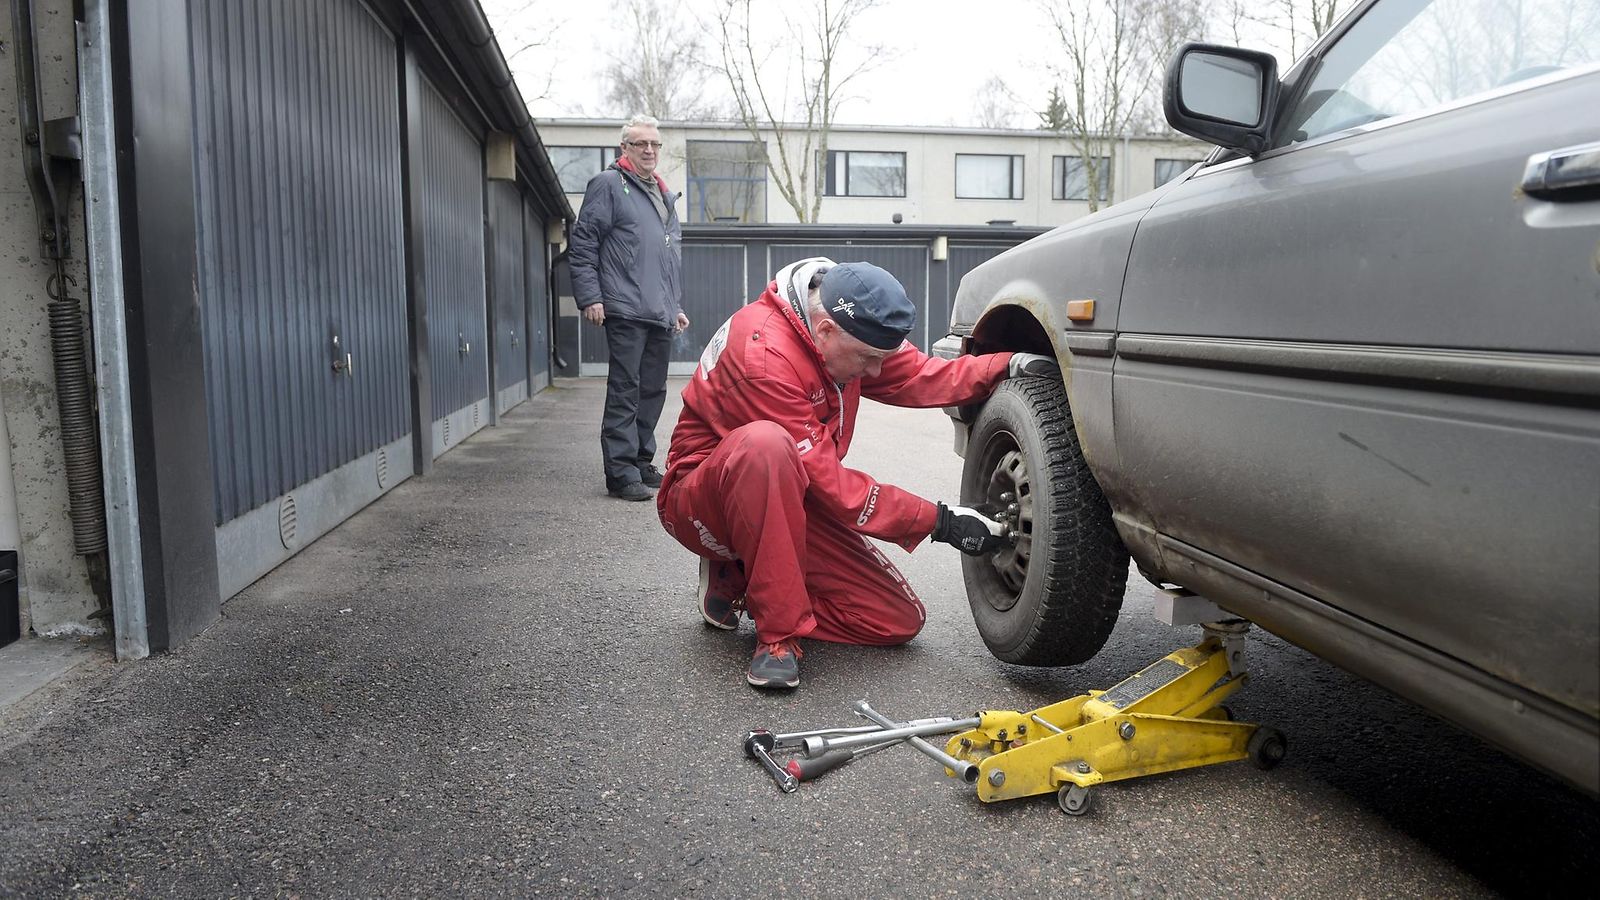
x,y
868,303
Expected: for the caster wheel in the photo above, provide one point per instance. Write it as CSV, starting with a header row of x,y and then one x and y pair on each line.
x,y
1266,748
1074,800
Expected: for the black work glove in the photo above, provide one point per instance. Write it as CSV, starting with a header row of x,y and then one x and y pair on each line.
x,y
1032,364
968,530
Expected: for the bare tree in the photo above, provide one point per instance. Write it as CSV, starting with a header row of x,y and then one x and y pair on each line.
x,y
657,67
526,31
994,106
1110,52
761,74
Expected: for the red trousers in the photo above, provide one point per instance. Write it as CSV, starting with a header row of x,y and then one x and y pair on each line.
x,y
809,575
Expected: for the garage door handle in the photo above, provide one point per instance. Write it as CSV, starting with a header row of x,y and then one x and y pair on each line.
x,y
1571,173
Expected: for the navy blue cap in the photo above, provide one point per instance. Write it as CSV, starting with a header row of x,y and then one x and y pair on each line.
x,y
869,304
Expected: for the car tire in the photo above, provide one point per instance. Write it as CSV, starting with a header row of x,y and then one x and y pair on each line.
x,y
1052,598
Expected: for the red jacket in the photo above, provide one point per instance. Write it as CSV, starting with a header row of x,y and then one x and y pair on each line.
x,y
762,366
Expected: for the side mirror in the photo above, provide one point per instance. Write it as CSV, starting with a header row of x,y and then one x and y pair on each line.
x,y
1223,95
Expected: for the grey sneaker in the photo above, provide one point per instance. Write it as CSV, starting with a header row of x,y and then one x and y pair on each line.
x,y
721,593
633,490
776,665
650,475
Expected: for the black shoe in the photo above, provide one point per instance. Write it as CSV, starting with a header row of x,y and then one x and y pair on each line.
x,y
775,665
650,475
633,490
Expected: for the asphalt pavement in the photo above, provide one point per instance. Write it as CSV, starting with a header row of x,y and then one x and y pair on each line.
x,y
494,682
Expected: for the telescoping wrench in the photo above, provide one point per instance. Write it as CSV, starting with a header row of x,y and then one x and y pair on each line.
x,y
797,738
967,771
817,745
807,769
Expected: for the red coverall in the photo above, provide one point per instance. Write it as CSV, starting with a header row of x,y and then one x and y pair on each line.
x,y
755,474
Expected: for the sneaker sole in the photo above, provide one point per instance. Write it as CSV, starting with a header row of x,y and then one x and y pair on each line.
x,y
705,586
771,682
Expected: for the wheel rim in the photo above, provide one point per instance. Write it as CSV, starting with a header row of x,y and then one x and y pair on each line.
x,y
1009,474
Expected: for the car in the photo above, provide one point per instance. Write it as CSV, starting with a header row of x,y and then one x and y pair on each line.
x,y
1341,378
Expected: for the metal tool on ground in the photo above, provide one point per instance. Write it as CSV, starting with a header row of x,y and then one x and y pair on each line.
x,y
1166,717
807,769
796,738
819,744
758,745
963,769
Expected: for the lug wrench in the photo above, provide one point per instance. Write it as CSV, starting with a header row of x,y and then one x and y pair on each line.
x,y
758,746
967,771
797,738
818,745
807,769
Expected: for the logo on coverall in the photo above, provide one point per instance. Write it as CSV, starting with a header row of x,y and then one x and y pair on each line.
x,y
870,508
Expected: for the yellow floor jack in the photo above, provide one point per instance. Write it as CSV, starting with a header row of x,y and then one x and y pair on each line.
x,y
1167,716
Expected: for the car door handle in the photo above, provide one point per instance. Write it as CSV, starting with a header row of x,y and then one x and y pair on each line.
x,y
1571,173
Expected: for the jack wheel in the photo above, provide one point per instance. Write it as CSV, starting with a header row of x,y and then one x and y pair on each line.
x,y
1266,747
1075,800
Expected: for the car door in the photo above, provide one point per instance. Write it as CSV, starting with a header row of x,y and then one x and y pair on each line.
x,y
1365,365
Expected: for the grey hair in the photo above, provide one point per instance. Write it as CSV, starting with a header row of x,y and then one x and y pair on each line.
x,y
638,121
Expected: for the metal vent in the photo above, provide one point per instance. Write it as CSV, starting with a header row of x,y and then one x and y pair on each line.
x,y
447,432
474,415
383,467
288,521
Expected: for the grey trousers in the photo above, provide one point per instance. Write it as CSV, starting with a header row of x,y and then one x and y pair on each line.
x,y
636,390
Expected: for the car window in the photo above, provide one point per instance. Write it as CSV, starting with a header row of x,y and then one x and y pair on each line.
x,y
1406,56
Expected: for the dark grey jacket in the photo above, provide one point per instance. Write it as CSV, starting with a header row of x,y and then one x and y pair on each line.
x,y
623,255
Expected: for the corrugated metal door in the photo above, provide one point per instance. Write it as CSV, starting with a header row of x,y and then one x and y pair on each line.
x,y
452,236
908,263
297,177
510,297
536,278
713,289
963,259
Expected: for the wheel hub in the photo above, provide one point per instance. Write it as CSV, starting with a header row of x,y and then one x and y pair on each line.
x,y
1009,496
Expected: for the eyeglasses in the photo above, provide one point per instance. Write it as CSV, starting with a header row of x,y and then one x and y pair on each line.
x,y
640,145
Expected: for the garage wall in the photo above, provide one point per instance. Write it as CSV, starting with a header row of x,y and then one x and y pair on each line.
x,y
297,184
453,243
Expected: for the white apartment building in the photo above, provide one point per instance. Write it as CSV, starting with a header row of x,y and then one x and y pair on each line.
x,y
881,175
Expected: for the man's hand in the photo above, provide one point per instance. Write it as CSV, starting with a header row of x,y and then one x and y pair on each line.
x,y
682,324
595,313
968,530
1032,364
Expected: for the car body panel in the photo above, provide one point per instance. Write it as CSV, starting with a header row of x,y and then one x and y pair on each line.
x,y
1354,396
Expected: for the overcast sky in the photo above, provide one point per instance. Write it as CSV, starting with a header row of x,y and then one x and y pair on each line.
x,y
938,53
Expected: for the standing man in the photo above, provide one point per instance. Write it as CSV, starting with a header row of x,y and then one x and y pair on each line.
x,y
626,275
756,484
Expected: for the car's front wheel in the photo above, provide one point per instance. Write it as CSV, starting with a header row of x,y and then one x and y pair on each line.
x,y
1052,598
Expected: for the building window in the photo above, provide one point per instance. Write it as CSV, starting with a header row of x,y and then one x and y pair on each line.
x,y
727,181
1168,169
987,177
1069,181
576,165
859,173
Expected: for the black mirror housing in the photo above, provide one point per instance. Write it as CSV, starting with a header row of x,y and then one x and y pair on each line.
x,y
1199,114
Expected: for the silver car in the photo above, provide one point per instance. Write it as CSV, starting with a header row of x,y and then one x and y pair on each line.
x,y
1342,378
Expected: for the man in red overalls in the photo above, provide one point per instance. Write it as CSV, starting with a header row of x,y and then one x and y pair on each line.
x,y
755,483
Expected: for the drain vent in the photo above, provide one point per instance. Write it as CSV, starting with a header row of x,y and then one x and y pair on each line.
x,y
447,431
288,521
383,467
475,408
